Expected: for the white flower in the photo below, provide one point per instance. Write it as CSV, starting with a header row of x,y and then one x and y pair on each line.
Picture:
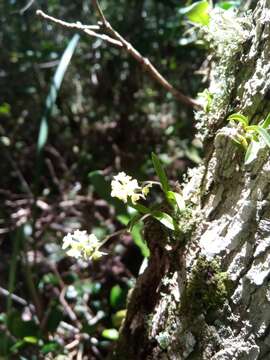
x,y
124,187
82,245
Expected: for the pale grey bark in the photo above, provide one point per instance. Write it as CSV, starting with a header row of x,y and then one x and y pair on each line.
x,y
231,238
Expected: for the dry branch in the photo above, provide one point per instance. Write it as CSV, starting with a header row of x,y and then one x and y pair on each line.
x,y
114,38
87,29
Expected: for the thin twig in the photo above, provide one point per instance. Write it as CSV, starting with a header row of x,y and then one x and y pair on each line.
x,y
100,12
145,62
87,29
20,175
116,233
116,39
15,298
73,344
26,7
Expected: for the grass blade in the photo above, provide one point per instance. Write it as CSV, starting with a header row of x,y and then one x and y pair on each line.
x,y
177,199
54,89
262,132
160,173
240,118
266,122
252,151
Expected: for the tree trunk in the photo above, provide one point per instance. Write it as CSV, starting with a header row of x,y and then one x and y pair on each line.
x,y
207,295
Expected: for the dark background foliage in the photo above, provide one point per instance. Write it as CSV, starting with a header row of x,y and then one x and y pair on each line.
x,y
109,116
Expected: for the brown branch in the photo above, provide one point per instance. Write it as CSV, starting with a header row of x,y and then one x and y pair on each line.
x,y
146,64
116,39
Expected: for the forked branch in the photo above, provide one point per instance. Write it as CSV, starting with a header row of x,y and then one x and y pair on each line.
x,y
109,34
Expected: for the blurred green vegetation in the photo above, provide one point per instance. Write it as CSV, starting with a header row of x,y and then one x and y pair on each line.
x,y
62,137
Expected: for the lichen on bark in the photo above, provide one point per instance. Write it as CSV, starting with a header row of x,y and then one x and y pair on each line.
x,y
231,203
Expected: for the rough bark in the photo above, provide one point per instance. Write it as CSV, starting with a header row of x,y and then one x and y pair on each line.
x,y
207,296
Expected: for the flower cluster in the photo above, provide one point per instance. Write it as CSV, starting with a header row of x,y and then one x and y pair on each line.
x,y
82,245
125,188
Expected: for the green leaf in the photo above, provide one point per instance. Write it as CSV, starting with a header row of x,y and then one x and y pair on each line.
x,y
139,240
134,221
240,118
116,296
101,186
164,219
160,173
118,318
140,208
177,199
207,97
262,132
30,339
5,109
54,318
266,122
252,151
198,12
124,219
20,328
6,342
226,5
111,334
18,345
103,189
51,346
135,227
54,89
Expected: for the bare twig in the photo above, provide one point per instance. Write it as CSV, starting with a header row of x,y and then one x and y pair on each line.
x,y
116,39
100,13
26,7
145,63
73,344
16,299
20,175
67,308
116,233
88,29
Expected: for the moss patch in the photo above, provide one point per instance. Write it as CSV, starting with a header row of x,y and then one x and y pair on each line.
x,y
207,288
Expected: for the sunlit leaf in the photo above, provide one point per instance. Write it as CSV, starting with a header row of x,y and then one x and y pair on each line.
x,y
111,334
178,199
266,122
252,152
118,318
164,219
5,109
240,118
262,132
30,339
198,12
